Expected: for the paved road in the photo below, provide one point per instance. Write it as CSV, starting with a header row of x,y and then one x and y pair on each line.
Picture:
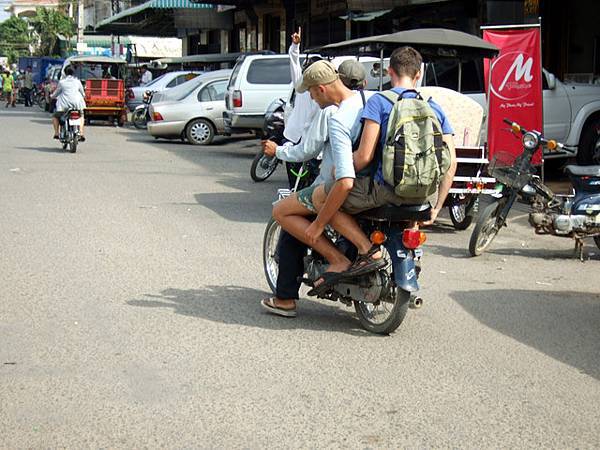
x,y
129,317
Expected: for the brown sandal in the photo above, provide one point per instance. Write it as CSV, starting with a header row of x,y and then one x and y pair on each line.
x,y
365,263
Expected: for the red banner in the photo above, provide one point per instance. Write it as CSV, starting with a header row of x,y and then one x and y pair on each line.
x,y
514,84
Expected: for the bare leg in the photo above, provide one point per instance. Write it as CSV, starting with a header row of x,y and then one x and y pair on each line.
x,y
55,124
345,224
291,215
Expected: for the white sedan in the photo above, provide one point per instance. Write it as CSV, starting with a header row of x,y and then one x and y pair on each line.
x,y
135,95
192,111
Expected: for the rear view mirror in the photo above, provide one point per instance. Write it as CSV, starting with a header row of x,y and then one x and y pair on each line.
x,y
551,81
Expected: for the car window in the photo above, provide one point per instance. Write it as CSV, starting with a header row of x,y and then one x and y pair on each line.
x,y
269,71
213,92
173,82
236,71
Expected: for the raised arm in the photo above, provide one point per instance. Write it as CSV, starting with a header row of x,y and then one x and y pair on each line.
x,y
294,53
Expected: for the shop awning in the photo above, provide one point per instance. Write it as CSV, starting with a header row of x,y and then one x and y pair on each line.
x,y
153,18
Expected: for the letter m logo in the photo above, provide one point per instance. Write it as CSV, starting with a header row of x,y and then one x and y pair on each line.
x,y
521,70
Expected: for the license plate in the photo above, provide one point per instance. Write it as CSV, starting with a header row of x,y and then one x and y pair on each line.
x,y
75,122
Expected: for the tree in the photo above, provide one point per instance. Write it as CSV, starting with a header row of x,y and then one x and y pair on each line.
x,y
15,38
48,24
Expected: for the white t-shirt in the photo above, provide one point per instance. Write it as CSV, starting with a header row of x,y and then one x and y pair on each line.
x,y
146,77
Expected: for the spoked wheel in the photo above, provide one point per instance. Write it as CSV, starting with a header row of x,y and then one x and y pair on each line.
x,y
488,226
384,316
270,253
139,119
462,210
263,167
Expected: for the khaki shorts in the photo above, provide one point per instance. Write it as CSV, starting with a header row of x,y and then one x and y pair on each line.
x,y
360,199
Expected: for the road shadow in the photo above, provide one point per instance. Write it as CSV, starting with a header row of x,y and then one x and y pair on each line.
x,y
44,149
562,325
238,305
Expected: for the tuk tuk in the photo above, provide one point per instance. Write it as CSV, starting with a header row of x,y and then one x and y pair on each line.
x,y
206,62
450,50
103,81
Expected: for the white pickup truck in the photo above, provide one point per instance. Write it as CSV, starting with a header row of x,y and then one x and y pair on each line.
x,y
571,110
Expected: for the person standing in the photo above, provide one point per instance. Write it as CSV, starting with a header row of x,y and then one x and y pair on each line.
x,y
8,87
28,86
146,76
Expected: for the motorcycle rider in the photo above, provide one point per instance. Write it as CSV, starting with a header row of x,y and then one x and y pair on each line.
x,y
370,192
323,82
301,117
291,251
69,95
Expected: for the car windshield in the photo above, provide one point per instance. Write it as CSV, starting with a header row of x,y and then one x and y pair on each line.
x,y
180,92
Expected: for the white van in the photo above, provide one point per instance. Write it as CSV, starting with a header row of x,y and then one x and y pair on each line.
x,y
255,82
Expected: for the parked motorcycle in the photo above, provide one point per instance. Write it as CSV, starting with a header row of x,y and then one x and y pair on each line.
x,y
141,114
264,166
69,131
574,216
382,298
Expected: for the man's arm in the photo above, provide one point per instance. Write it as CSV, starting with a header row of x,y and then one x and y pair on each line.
x,y
368,143
294,53
446,181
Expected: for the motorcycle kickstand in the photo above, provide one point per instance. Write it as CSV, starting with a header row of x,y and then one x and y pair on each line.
x,y
579,248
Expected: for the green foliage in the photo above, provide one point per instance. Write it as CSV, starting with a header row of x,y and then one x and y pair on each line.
x,y
15,38
48,23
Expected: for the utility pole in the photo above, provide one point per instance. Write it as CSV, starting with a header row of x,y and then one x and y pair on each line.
x,y
80,21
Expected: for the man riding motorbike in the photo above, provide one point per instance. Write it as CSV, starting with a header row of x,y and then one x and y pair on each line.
x,y
291,251
69,95
323,82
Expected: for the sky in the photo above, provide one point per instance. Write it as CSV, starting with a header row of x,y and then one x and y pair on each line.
x,y
3,14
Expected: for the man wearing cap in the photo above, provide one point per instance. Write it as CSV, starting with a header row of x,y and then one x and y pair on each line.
x,y
326,88
316,137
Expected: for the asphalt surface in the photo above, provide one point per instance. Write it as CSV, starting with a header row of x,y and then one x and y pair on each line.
x,y
130,280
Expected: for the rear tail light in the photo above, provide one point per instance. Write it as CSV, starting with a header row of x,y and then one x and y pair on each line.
x,y
130,94
157,116
412,239
74,115
237,99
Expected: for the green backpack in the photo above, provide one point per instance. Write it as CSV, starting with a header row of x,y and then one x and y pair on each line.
x,y
414,157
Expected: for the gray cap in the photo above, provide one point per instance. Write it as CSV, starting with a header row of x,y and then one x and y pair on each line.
x,y
352,72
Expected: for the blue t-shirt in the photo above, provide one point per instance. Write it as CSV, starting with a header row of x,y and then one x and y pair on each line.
x,y
378,109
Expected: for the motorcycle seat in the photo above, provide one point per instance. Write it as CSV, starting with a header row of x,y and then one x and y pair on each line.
x,y
394,213
583,171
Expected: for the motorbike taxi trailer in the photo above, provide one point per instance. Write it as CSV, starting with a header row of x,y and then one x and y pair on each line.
x,y
466,116
104,85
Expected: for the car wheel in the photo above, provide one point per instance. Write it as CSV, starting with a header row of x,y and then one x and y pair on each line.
x,y
589,145
200,132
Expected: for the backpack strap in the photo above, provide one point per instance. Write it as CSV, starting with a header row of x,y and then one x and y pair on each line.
x,y
356,144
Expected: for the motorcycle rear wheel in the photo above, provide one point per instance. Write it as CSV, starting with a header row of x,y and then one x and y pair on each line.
x,y
270,253
462,210
73,145
383,317
139,119
262,167
486,229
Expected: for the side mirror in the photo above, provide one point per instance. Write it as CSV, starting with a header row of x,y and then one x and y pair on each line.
x,y
551,81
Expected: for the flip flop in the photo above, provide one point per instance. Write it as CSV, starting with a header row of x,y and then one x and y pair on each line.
x,y
269,305
365,263
329,279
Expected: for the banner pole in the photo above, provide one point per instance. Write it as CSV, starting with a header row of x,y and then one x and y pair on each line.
x,y
542,98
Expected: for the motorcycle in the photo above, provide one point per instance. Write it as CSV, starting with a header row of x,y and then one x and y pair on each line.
x,y
381,299
264,166
574,216
141,114
69,131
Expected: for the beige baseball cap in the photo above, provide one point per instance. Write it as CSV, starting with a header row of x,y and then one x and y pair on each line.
x,y
320,72
352,72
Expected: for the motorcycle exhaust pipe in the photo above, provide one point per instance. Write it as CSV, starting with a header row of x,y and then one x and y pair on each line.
x,y
415,302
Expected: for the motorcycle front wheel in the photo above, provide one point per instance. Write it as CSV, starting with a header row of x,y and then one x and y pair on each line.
x,y
383,317
139,119
487,227
270,253
263,167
